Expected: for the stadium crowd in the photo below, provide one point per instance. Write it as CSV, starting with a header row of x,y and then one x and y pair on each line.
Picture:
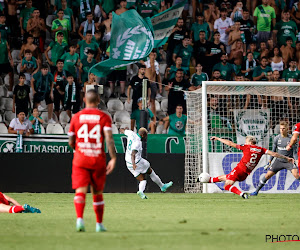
x,y
47,48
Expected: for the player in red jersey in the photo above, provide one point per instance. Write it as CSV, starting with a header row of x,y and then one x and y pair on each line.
x,y
250,159
88,129
293,141
6,207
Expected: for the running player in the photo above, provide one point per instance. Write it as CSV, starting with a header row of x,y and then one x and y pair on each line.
x,y
279,145
86,135
293,141
251,157
6,207
138,166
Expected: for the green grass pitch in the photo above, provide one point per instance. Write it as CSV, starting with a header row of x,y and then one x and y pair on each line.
x,y
164,221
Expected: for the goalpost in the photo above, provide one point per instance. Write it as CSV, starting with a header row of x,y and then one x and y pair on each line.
x,y
233,110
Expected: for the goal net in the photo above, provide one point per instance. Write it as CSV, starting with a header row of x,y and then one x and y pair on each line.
x,y
233,110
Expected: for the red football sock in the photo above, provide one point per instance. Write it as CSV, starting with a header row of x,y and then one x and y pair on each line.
x,y
16,209
233,189
98,207
213,179
79,202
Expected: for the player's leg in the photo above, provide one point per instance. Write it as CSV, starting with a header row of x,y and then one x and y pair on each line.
x,y
263,182
142,185
235,175
295,173
11,209
156,179
79,203
229,187
217,179
98,204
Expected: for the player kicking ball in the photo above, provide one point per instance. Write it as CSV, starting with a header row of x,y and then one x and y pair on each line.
x,y
250,159
280,143
6,207
139,166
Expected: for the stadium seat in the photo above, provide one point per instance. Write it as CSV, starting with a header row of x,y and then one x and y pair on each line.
x,y
63,117
8,104
159,128
67,127
3,129
44,116
6,80
122,117
157,106
9,115
128,106
160,115
102,106
1,81
164,105
15,56
43,130
106,92
114,105
3,91
1,119
54,129
114,129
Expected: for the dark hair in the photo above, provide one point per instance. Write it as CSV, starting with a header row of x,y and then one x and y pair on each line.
x,y
141,66
245,9
179,70
264,57
179,105
60,60
272,52
199,14
90,51
217,32
223,10
89,32
22,75
89,13
60,10
27,51
29,35
293,59
45,66
289,39
60,33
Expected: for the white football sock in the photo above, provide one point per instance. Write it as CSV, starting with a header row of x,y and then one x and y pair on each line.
x,y
142,186
155,178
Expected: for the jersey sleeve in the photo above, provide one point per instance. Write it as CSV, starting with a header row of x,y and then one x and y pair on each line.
x,y
297,128
106,123
241,147
127,132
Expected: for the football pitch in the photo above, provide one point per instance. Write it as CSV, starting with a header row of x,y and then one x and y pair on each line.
x,y
164,221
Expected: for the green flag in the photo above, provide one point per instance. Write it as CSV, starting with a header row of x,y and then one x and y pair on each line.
x,y
164,22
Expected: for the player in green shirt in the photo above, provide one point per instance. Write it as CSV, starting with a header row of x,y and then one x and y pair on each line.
x,y
198,77
61,25
198,26
135,118
292,74
146,9
25,15
185,51
176,122
71,60
88,44
260,73
285,28
226,69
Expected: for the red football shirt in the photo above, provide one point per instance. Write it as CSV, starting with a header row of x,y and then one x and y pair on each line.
x,y
297,130
251,157
88,126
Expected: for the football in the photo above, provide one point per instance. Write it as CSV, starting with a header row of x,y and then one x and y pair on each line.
x,y
204,178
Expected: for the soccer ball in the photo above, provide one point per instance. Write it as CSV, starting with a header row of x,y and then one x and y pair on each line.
x,y
204,178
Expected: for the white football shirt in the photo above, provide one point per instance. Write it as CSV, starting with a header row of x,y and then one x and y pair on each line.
x,y
134,142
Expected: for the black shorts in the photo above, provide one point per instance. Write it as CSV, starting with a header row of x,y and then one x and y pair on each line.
x,y
117,75
74,106
58,99
5,68
279,165
154,89
39,96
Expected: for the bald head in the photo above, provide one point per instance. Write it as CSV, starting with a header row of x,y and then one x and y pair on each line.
x,y
143,133
92,98
250,140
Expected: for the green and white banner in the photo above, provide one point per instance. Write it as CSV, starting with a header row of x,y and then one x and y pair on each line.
x,y
253,122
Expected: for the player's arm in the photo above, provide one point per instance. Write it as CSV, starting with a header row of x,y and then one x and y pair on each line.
x,y
11,200
110,143
227,142
274,154
274,149
293,140
72,140
134,152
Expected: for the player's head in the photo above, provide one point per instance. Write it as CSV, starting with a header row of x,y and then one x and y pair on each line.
x,y
91,99
284,128
143,133
250,140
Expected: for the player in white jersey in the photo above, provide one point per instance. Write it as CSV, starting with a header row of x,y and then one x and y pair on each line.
x,y
139,166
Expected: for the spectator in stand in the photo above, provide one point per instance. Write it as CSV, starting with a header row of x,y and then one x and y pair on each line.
x,y
198,77
248,66
217,110
12,18
237,13
36,121
4,28
87,25
287,51
122,9
42,87
88,45
292,74
61,25
85,66
175,122
247,26
171,72
60,82
20,125
198,26
295,14
185,51
25,15
260,72
136,118
178,34
176,95
236,35
264,52
236,56
66,6
147,9
216,75
211,14
31,46
264,19
276,60
21,99
223,26
91,81
226,69
72,96
136,84
106,24
36,26
253,50
106,6
71,61
57,48
297,53
6,61
29,66
285,28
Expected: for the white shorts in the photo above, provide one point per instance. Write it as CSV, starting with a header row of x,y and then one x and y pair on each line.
x,y
141,167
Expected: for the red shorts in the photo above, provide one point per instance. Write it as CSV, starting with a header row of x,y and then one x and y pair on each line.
x,y
83,177
237,174
3,200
